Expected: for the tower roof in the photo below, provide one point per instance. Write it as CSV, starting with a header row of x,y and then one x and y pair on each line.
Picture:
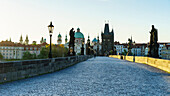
x,y
59,35
106,28
95,40
78,34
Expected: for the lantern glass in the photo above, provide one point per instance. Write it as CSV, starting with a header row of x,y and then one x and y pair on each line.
x,y
50,28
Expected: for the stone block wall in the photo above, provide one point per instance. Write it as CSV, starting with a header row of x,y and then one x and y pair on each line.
x,y
158,63
15,70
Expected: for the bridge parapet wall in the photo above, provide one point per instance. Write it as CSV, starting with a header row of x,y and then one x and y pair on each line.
x,y
15,70
158,63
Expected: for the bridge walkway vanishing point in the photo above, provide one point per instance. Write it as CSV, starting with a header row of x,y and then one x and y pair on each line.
x,y
100,76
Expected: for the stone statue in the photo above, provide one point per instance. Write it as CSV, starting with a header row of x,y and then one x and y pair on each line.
x,y
129,47
71,51
153,45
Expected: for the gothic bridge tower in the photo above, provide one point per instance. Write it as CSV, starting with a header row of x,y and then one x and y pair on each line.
x,y
107,40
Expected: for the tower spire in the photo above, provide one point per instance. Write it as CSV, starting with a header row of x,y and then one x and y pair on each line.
x,y
42,40
106,28
10,39
21,40
66,39
26,40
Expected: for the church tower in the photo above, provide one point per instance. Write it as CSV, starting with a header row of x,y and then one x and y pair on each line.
x,y
59,41
26,40
21,40
107,40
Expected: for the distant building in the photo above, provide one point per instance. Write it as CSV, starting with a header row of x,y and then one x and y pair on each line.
x,y
11,50
138,49
165,52
79,38
96,45
107,40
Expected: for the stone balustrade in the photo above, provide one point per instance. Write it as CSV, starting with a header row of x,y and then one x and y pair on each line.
x,y
15,70
158,63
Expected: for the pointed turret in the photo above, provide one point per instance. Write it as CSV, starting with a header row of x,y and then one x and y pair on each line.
x,y
66,39
98,38
42,40
59,41
106,28
112,30
88,40
21,40
26,40
10,39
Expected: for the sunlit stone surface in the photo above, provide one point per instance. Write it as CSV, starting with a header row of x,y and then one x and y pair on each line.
x,y
100,76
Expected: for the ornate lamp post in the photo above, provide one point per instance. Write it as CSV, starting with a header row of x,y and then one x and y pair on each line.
x,y
88,47
134,51
82,48
50,28
121,50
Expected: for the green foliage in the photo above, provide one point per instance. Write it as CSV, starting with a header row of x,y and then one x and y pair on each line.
x,y
79,53
34,43
12,59
111,52
124,52
1,56
28,55
57,51
43,53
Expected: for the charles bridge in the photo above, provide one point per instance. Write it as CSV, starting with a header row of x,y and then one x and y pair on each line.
x,y
85,75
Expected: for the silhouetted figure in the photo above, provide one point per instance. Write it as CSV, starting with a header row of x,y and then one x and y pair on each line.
x,y
71,51
129,47
153,45
88,46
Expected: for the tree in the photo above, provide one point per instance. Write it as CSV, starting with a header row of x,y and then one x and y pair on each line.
x,y
28,55
34,43
1,56
124,52
43,53
57,51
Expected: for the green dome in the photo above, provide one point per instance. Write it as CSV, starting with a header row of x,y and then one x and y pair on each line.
x,y
59,35
78,35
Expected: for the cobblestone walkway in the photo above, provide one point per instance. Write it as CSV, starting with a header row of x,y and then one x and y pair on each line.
x,y
100,76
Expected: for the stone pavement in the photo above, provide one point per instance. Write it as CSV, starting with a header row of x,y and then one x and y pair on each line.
x,y
100,76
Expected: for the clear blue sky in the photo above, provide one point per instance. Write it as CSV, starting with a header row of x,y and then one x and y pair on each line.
x,y
126,17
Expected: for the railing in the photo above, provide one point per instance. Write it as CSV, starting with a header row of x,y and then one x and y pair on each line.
x,y
158,63
15,70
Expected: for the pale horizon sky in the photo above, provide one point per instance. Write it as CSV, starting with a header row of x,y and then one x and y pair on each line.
x,y
127,18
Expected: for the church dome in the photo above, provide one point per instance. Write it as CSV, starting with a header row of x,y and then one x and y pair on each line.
x,y
95,40
78,34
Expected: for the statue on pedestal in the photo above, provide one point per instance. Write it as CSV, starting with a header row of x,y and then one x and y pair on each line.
x,y
153,45
71,51
129,47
